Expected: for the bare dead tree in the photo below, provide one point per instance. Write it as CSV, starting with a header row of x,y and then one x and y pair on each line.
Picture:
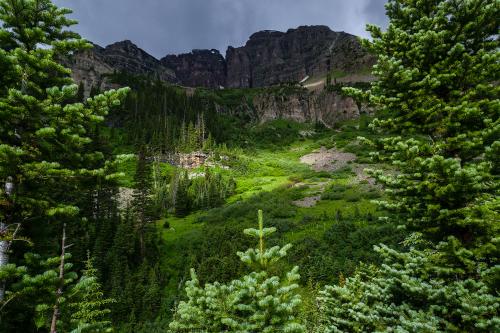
x,y
57,311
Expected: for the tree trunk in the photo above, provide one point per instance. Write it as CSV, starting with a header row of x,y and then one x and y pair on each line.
x,y
4,256
59,292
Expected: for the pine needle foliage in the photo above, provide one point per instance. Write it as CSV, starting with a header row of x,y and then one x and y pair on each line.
x,y
437,88
257,302
90,312
46,151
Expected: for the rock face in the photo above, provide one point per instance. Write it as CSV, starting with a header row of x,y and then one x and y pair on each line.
x,y
91,67
324,107
272,57
268,58
127,57
200,68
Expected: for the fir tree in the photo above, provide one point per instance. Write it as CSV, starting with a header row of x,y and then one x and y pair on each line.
x,y
90,311
180,195
257,302
142,204
437,87
43,135
121,258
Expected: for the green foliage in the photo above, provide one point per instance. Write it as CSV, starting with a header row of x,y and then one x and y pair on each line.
x,y
255,302
39,284
211,190
52,168
81,304
90,312
205,191
144,212
448,181
179,196
277,133
167,119
194,137
133,278
342,247
410,293
438,71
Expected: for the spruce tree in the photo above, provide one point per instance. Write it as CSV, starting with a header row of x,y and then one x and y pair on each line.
x,y
180,193
437,90
257,302
90,307
142,203
44,136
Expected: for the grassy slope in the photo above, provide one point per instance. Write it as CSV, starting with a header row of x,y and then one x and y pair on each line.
x,y
265,177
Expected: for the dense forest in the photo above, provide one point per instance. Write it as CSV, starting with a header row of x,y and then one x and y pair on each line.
x,y
156,208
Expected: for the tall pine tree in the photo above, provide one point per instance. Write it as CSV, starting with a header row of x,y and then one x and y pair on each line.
x,y
142,203
437,70
44,136
90,310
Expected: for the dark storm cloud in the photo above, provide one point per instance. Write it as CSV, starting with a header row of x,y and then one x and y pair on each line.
x,y
174,26
375,11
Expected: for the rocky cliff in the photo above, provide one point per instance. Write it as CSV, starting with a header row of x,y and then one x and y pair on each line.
x,y
324,107
200,68
127,57
268,58
92,66
272,57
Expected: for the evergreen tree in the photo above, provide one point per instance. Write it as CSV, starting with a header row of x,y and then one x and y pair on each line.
x,y
180,195
192,138
438,67
43,135
121,259
90,311
257,302
142,204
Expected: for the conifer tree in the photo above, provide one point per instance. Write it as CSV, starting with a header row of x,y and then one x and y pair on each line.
x,y
120,256
142,204
180,195
437,88
43,135
90,309
257,302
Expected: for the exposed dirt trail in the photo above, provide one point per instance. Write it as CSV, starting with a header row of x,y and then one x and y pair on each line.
x,y
329,160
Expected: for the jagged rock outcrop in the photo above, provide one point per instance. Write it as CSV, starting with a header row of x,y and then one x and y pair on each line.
x,y
200,68
324,107
126,56
92,66
268,58
272,57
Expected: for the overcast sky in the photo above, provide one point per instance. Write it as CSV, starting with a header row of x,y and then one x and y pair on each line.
x,y
176,26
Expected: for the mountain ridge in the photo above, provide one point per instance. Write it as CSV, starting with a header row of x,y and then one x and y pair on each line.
x,y
268,58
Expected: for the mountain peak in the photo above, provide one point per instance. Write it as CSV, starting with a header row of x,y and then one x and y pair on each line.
x,y
269,57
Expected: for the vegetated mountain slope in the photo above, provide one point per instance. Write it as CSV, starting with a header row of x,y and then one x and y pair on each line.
x,y
324,209
268,58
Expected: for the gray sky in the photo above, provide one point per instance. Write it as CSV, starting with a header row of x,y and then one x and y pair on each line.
x,y
176,26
